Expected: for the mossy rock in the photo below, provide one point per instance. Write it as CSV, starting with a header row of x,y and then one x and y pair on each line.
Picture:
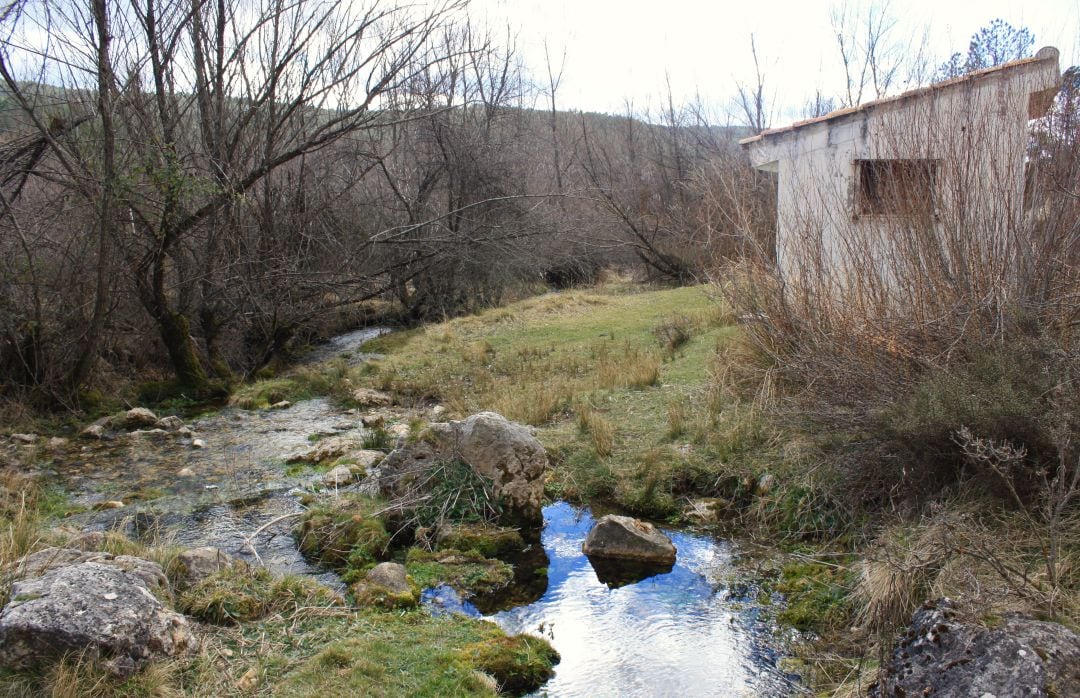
x,y
520,664
467,571
240,594
377,596
489,541
343,535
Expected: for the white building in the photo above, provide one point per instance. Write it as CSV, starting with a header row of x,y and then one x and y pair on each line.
x,y
948,159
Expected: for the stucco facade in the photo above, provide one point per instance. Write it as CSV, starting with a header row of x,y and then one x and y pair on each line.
x,y
946,156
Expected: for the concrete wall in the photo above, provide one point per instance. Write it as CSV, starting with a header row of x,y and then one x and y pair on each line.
x,y
974,128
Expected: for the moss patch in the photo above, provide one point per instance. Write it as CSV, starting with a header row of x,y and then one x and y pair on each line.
x,y
343,534
521,664
391,654
468,572
489,541
818,596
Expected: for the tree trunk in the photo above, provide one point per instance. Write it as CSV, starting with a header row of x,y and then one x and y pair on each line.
x,y
175,332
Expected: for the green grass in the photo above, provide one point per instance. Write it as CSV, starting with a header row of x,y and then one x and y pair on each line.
x,y
239,594
620,387
335,379
469,572
391,654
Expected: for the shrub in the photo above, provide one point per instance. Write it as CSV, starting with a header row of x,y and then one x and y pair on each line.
x,y
1004,396
673,333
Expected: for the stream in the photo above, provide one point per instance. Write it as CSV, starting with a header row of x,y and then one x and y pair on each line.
x,y
687,631
680,633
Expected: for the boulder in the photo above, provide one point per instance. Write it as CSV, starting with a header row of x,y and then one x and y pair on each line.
x,y
399,431
504,452
198,443
94,431
942,656
626,538
139,417
196,564
172,422
49,559
24,438
373,420
98,611
367,458
55,443
386,585
339,476
327,449
366,397
391,575
281,405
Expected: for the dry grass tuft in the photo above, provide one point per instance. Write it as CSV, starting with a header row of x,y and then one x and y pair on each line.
x,y
633,368
599,429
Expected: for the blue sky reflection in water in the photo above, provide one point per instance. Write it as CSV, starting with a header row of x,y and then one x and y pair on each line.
x,y
674,634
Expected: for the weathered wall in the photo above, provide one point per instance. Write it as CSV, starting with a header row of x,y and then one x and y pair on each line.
x,y
975,128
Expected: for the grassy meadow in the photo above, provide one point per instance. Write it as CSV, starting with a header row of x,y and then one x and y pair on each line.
x,y
622,385
650,402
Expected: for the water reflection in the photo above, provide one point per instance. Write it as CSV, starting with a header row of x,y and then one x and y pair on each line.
x,y
670,634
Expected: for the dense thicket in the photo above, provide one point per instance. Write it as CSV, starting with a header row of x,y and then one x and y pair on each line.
x,y
188,187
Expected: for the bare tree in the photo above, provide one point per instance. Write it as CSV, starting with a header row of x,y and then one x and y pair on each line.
x,y
870,53
214,97
752,104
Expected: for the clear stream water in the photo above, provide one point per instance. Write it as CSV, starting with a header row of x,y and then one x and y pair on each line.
x,y
687,631
678,633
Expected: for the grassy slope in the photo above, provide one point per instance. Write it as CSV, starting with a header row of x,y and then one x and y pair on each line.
x,y
626,416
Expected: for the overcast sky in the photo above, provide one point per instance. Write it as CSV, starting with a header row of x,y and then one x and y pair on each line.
x,y
626,49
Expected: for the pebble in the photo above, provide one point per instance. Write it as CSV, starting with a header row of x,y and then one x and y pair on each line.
x,y
198,443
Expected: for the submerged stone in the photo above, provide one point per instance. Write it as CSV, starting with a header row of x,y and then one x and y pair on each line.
x,y
619,573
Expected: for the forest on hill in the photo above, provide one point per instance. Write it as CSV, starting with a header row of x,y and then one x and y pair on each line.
x,y
189,196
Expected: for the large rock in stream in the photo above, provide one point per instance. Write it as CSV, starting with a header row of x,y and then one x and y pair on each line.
x,y
503,452
617,537
943,657
97,606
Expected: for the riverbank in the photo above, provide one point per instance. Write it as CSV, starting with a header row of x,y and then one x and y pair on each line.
x,y
640,398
